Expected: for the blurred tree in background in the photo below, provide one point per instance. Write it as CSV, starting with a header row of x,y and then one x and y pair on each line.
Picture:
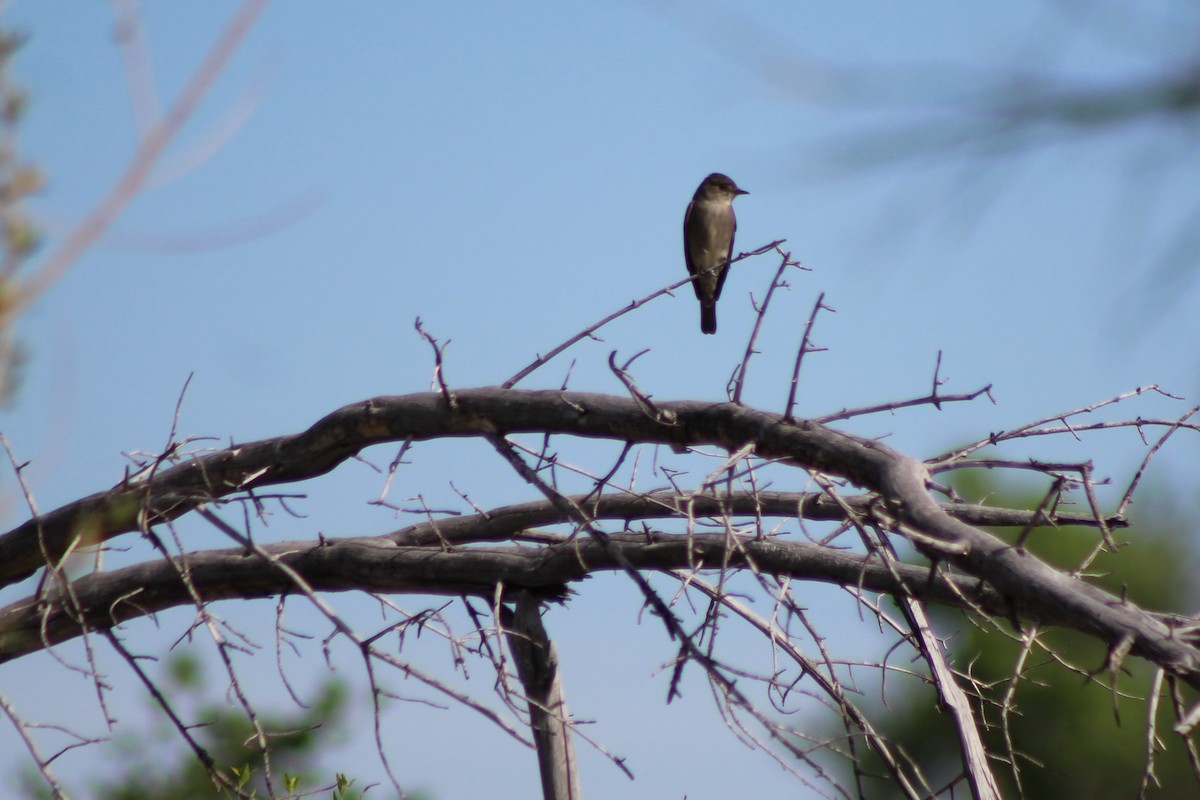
x,y
1075,736
157,765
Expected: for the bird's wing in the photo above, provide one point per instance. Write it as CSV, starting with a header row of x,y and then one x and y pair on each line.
x,y
728,257
688,256
687,244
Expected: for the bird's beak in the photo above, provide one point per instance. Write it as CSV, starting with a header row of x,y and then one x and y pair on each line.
x,y
741,191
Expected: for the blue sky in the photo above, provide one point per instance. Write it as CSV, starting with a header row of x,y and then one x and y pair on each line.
x,y
510,174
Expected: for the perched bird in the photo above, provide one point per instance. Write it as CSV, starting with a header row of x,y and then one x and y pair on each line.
x,y
708,229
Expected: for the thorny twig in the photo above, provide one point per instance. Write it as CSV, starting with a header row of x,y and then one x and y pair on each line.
x,y
622,373
1153,744
589,331
43,763
829,685
805,348
1037,429
438,375
722,493
738,381
1127,498
935,399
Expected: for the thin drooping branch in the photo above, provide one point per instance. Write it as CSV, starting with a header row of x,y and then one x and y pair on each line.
x,y
828,684
1029,586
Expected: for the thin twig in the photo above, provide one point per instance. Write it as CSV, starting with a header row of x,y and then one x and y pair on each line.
x,y
1127,498
43,764
438,374
1039,514
587,332
1031,429
804,348
809,668
935,399
1152,741
739,379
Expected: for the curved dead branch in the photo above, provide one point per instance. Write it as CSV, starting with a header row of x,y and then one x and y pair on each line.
x,y
1029,587
378,564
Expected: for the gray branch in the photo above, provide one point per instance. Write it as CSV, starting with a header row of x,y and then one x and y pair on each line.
x,y
902,503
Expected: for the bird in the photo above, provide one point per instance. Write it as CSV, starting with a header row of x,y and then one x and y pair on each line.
x,y
708,228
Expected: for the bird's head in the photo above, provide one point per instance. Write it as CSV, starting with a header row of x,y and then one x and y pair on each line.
x,y
718,187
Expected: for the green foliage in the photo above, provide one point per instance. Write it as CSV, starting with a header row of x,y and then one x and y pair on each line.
x,y
157,764
1073,735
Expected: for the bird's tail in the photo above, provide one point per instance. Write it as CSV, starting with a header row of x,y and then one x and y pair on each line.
x,y
708,317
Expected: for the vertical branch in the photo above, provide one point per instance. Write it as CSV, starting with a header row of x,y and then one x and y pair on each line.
x,y
974,753
1153,744
1008,704
972,749
805,347
537,667
1180,709
438,364
937,381
739,378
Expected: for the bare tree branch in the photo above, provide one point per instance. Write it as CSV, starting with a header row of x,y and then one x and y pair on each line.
x,y
537,666
904,505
